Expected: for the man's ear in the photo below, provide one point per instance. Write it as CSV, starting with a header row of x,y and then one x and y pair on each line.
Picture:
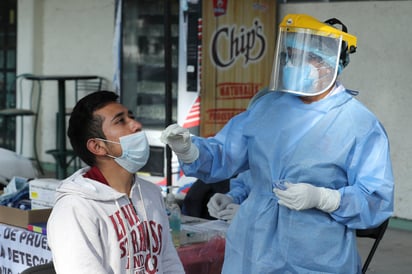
x,y
96,147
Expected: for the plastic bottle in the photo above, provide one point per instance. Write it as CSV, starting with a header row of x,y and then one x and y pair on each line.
x,y
174,214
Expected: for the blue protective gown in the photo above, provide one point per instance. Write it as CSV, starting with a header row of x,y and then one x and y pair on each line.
x,y
335,143
240,187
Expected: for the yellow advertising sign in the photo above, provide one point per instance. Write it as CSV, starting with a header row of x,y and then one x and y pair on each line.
x,y
238,44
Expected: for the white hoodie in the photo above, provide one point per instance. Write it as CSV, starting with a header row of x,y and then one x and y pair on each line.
x,y
91,226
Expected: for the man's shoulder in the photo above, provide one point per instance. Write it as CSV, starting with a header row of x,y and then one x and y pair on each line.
x,y
71,202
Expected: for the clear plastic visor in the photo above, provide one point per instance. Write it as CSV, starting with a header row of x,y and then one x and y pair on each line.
x,y
306,62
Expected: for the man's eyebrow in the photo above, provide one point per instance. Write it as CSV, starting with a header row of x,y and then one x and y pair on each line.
x,y
120,114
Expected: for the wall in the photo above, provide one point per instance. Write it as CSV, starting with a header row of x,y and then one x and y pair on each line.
x,y
62,37
380,71
75,37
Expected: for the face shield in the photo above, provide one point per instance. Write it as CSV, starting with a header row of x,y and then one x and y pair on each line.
x,y
307,56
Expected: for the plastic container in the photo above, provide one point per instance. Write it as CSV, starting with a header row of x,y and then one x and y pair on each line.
x,y
175,218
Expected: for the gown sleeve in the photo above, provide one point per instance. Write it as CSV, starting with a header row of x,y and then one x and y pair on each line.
x,y
222,156
368,200
240,187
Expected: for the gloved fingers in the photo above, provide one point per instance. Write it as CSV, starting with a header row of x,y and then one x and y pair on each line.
x,y
286,195
213,213
289,200
174,131
233,206
293,202
288,205
226,214
299,196
179,140
166,133
225,201
212,206
214,200
229,212
179,136
214,203
281,185
294,189
219,201
217,204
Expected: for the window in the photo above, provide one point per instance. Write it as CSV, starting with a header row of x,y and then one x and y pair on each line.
x,y
144,71
8,40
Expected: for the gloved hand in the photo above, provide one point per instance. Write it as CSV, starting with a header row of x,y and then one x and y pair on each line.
x,y
302,196
178,138
217,203
229,212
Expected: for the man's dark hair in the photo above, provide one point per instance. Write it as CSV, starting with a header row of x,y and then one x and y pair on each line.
x,y
83,125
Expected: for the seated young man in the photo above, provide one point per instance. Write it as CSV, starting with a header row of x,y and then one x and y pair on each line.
x,y
106,219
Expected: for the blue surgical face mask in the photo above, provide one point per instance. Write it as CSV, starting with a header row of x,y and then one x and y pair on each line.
x,y
299,78
135,149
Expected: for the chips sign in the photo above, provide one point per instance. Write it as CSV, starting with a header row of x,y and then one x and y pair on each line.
x,y
247,43
238,43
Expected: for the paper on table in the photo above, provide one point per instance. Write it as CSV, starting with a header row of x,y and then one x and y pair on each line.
x,y
216,225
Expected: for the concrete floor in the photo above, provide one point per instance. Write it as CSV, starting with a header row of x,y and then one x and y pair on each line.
x,y
394,253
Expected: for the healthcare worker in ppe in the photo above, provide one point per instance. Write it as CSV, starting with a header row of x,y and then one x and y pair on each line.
x,y
311,132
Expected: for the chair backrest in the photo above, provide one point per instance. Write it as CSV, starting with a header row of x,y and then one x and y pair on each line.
x,y
28,104
81,89
41,269
32,93
373,233
84,87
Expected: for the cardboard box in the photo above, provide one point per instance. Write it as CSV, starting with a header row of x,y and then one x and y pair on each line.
x,y
22,218
43,189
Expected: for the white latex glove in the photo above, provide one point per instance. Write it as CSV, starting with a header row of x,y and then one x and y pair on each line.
x,y
217,203
302,196
229,212
178,138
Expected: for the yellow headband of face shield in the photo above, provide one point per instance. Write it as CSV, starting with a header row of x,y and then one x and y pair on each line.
x,y
303,21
